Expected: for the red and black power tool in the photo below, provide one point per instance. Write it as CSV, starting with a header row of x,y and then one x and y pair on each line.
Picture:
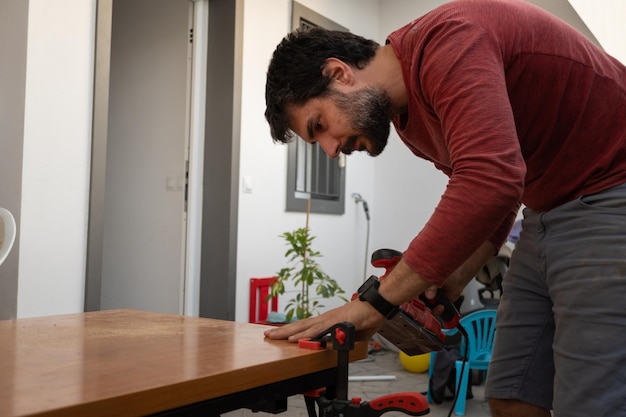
x,y
415,330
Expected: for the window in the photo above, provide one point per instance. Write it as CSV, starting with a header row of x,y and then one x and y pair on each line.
x,y
310,172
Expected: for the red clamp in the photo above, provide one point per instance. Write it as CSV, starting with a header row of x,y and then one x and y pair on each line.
x,y
341,335
338,405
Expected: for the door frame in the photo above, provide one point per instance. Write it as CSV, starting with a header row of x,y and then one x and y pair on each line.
x,y
195,159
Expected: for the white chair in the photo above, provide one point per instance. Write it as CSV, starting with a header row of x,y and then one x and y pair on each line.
x,y
7,233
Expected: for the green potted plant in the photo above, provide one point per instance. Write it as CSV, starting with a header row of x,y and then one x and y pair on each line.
x,y
304,272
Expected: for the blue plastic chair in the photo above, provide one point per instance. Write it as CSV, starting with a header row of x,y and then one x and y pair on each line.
x,y
480,327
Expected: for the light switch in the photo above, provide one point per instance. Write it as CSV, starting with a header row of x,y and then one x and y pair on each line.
x,y
247,184
170,183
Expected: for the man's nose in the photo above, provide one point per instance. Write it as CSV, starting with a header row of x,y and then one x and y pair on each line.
x,y
330,146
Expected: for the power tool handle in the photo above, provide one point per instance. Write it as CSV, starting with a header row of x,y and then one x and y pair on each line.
x,y
386,258
450,315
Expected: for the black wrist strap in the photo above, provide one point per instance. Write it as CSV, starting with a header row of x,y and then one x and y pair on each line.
x,y
369,292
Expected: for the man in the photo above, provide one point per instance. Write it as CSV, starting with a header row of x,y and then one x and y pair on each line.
x,y
516,107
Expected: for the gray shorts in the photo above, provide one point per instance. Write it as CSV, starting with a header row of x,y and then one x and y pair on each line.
x,y
561,324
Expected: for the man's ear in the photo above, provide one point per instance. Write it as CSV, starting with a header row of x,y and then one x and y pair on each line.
x,y
339,71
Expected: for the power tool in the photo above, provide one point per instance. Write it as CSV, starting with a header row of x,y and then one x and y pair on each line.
x,y
414,329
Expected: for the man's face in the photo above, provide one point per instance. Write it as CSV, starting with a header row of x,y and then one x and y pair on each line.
x,y
345,122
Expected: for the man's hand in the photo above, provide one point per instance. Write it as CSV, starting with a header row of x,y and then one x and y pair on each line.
x,y
365,318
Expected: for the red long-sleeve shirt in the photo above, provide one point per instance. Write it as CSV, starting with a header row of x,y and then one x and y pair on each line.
x,y
515,106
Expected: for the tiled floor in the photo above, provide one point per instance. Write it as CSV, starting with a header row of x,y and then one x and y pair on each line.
x,y
385,362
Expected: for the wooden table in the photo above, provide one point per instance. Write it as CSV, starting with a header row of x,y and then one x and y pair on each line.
x,y
128,363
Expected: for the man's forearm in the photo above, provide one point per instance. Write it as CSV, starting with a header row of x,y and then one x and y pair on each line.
x,y
403,284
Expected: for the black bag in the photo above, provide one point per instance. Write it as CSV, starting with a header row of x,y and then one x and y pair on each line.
x,y
444,375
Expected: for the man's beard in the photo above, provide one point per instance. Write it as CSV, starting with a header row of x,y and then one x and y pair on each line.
x,y
369,114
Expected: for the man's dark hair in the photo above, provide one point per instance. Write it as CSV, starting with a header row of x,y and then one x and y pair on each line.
x,y
295,72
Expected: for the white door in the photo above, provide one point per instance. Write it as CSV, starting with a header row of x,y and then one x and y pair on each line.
x,y
144,234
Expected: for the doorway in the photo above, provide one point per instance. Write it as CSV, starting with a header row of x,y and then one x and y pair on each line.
x,y
195,264
146,122
144,218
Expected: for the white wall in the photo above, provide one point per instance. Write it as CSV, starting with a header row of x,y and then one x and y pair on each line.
x,y
57,137
605,18
262,216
